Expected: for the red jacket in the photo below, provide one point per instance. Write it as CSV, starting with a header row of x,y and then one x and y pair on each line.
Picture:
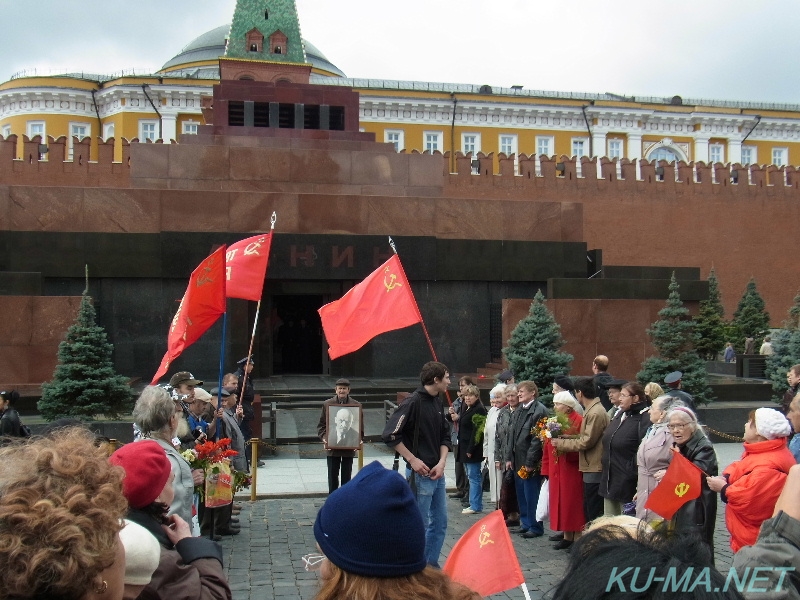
x,y
754,484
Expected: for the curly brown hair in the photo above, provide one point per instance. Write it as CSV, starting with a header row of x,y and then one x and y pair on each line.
x,y
61,504
428,584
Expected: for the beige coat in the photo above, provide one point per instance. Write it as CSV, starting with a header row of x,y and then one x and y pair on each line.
x,y
588,443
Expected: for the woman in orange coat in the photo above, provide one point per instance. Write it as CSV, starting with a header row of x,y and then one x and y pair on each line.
x,y
751,486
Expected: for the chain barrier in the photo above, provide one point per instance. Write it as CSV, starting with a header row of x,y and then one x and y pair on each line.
x,y
724,436
317,452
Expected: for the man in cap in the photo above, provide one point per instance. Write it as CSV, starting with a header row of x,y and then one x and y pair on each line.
x,y
506,377
673,380
601,379
614,389
246,392
338,459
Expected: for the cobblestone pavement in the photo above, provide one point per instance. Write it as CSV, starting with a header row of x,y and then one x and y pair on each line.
x,y
263,562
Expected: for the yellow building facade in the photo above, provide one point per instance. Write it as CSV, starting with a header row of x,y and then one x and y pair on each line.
x,y
423,116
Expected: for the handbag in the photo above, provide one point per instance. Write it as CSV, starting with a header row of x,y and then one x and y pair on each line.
x,y
487,486
543,506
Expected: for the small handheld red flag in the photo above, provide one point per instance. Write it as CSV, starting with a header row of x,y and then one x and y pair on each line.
x,y
485,543
382,302
246,266
201,305
680,484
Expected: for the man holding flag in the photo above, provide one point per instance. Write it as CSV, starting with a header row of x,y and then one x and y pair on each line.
x,y
419,433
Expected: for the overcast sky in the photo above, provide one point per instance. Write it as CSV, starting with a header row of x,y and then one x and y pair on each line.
x,y
733,50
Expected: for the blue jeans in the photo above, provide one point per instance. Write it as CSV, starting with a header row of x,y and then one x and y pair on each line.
x,y
528,498
432,502
475,485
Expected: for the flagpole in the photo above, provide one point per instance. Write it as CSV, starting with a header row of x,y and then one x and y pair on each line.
x,y
221,371
524,587
272,221
421,321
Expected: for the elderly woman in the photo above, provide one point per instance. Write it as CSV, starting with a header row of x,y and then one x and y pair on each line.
x,y
697,515
497,402
750,486
470,446
377,551
508,493
566,481
621,440
189,567
157,415
654,455
653,391
61,506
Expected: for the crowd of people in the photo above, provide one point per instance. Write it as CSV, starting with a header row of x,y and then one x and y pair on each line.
x,y
76,523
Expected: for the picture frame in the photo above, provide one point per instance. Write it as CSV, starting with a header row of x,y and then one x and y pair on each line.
x,y
340,437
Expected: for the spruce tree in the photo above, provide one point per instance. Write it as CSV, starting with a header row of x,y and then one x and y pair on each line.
x,y
710,322
674,338
786,348
533,351
750,318
84,383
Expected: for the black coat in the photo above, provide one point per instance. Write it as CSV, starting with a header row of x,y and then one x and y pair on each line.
x,y
621,441
700,515
466,434
524,448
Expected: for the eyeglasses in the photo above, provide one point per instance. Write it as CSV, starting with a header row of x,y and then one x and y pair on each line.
x,y
313,561
678,427
621,395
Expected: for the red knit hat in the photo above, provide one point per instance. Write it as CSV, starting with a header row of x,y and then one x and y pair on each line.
x,y
147,470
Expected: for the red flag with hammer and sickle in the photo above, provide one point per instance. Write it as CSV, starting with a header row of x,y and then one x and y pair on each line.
x,y
487,542
680,484
382,302
246,267
202,304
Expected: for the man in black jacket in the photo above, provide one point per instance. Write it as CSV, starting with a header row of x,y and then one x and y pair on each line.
x,y
524,455
338,459
419,433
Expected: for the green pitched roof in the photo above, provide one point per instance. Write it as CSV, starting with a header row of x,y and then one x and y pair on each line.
x,y
268,16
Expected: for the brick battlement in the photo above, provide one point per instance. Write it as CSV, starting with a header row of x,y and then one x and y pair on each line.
x,y
56,168
549,171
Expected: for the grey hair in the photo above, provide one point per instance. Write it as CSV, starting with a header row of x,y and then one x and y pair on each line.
x,y
687,415
498,390
154,410
510,387
666,402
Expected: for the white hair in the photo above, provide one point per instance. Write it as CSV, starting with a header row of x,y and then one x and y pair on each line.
x,y
498,390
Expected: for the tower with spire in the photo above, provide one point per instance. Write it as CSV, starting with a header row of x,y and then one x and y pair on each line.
x,y
264,43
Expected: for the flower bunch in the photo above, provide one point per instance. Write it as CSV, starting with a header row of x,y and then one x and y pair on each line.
x,y
551,427
241,480
204,456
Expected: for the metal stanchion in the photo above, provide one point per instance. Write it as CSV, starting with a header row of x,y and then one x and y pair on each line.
x,y
361,456
253,467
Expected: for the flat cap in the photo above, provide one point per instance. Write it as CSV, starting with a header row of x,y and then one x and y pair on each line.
x,y
673,377
343,381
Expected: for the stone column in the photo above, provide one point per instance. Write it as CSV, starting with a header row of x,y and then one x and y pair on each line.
x,y
700,149
634,146
734,151
599,144
169,127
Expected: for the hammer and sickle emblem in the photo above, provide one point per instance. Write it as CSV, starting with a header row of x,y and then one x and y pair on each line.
x,y
204,278
253,247
392,280
681,489
485,537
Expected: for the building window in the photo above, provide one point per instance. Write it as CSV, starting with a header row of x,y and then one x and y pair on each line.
x,y
749,155
147,131
190,127
108,131
433,141
396,137
579,147
716,153
508,144
471,143
77,130
614,148
6,131
37,128
544,145
780,156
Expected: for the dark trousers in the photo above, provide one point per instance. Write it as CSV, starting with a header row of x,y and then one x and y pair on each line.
x,y
219,517
462,483
592,501
247,433
334,462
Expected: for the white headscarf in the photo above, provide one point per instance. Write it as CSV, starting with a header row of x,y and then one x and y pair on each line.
x,y
568,399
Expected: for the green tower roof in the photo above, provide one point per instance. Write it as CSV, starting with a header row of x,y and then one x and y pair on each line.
x,y
268,17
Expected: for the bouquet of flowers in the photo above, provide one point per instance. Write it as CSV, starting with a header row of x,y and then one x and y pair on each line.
x,y
551,427
241,480
207,456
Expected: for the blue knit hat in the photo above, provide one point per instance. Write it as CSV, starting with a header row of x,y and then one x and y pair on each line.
x,y
372,526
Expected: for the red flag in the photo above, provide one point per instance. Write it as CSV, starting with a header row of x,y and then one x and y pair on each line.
x,y
680,484
382,302
485,543
201,305
246,267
